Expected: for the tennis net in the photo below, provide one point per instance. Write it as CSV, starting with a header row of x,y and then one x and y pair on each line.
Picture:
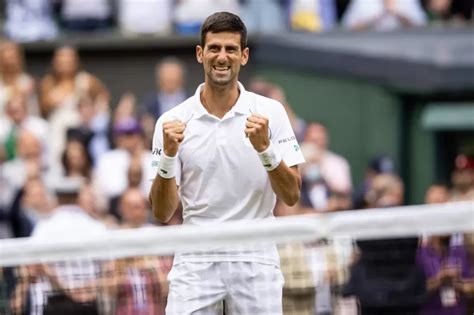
x,y
335,263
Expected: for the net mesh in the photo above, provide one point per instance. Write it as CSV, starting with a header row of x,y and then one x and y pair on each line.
x,y
374,261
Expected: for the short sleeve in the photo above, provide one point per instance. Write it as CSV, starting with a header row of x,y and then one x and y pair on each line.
x,y
157,151
283,137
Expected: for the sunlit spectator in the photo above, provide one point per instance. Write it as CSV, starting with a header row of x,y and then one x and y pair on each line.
x,y
383,15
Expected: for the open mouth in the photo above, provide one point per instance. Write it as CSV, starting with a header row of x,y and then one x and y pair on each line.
x,y
220,68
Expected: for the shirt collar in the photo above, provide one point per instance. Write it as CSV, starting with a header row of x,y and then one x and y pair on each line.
x,y
242,106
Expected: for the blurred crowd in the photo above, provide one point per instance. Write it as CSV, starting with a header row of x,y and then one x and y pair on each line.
x,y
32,20
72,161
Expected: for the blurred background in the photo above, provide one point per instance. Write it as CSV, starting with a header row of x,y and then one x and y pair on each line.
x,y
380,94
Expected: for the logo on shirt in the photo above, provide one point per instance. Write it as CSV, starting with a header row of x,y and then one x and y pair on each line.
x,y
164,172
285,140
296,147
156,151
155,163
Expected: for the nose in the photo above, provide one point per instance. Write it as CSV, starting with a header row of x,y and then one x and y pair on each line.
x,y
222,56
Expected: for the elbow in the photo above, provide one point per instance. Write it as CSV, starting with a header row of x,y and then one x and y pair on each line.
x,y
293,199
160,215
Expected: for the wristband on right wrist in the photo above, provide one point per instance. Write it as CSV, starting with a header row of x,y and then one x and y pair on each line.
x,y
167,167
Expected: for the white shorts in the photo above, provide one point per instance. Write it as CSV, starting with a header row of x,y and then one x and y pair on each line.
x,y
246,287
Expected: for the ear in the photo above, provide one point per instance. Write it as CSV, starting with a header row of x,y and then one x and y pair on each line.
x,y
245,56
199,52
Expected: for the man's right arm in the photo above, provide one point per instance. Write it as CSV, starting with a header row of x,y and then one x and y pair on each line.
x,y
164,192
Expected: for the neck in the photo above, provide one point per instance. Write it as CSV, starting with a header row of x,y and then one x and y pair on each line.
x,y
219,100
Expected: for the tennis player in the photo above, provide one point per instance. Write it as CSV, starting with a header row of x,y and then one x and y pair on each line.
x,y
226,154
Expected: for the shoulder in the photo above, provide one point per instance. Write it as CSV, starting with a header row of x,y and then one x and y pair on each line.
x,y
267,106
181,111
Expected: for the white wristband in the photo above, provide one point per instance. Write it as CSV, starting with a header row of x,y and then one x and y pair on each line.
x,y
167,167
270,158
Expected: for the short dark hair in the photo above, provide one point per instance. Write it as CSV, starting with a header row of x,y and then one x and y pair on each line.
x,y
224,22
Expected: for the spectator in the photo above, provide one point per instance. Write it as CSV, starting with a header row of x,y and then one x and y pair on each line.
x,y
314,188
312,15
33,203
383,15
170,91
78,15
133,209
273,91
16,118
334,168
29,20
93,202
66,82
110,174
263,16
386,278
145,17
437,193
13,78
446,267
190,14
456,11
93,127
70,287
76,161
462,179
61,90
378,165
27,164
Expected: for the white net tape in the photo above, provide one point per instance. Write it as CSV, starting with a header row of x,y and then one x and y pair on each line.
x,y
360,224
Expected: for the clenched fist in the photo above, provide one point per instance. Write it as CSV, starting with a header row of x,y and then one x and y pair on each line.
x,y
256,129
173,135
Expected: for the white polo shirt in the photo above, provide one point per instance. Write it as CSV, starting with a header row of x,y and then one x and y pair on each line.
x,y
220,175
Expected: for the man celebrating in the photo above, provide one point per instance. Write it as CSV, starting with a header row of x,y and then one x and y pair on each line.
x,y
226,154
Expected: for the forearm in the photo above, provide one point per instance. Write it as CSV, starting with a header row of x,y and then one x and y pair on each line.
x,y
164,198
286,183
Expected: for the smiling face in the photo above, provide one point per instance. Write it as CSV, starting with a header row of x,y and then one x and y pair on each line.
x,y
222,56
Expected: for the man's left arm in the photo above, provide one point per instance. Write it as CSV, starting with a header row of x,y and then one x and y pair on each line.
x,y
285,180
286,183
